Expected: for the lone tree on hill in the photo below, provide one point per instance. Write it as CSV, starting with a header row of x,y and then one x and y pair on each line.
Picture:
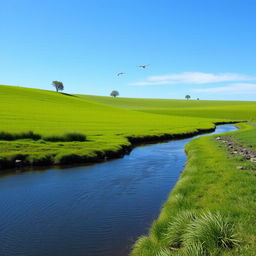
x,y
187,97
114,93
58,85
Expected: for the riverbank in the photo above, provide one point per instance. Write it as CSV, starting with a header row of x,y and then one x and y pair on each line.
x,y
211,183
53,117
93,205
32,159
109,127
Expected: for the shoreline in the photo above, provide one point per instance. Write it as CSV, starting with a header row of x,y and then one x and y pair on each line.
x,y
100,157
199,175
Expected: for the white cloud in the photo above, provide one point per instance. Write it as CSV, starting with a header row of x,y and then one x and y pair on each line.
x,y
236,88
194,78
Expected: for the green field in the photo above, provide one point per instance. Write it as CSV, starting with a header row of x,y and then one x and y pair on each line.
x,y
106,122
210,188
242,110
53,114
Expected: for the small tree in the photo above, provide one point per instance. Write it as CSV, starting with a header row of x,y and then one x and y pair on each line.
x,y
187,97
114,93
58,85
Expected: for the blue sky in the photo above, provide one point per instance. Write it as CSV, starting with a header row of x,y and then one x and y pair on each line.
x,y
203,48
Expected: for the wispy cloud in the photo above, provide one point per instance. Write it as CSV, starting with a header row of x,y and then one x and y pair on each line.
x,y
236,88
193,78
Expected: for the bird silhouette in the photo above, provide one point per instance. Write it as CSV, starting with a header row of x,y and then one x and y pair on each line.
x,y
143,66
120,73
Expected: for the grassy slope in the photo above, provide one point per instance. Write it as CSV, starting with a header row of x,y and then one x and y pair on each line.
x,y
210,183
242,110
48,112
51,113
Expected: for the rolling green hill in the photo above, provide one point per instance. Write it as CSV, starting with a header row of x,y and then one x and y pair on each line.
x,y
105,121
243,110
53,114
49,112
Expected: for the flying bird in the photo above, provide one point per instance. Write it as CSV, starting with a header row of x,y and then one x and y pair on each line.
x,y
143,66
120,73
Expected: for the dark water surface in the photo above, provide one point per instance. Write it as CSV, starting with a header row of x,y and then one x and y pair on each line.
x,y
96,210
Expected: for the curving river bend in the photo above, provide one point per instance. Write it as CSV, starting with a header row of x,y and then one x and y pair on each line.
x,y
96,210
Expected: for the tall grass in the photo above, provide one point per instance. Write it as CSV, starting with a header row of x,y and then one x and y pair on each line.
x,y
164,252
178,227
195,249
190,233
211,230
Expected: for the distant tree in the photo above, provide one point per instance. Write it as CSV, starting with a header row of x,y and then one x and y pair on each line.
x,y
187,97
58,85
114,93
197,98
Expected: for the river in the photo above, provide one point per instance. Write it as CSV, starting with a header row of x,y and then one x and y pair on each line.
x,y
96,210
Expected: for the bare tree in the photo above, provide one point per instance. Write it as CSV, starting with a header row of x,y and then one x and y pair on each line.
x,y
58,85
114,93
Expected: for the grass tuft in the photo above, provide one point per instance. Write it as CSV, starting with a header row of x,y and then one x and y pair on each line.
x,y
211,230
178,227
164,252
193,250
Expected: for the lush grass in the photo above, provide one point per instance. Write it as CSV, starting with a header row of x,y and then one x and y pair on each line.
x,y
242,110
44,152
51,113
54,116
247,137
209,182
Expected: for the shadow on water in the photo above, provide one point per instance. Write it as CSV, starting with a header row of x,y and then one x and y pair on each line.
x,y
94,210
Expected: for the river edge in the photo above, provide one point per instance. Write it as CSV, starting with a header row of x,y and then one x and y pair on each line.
x,y
180,201
20,163
53,177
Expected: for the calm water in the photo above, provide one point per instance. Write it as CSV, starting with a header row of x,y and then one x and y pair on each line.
x,y
96,210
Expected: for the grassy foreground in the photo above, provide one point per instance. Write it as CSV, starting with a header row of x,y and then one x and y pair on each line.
x,y
210,183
